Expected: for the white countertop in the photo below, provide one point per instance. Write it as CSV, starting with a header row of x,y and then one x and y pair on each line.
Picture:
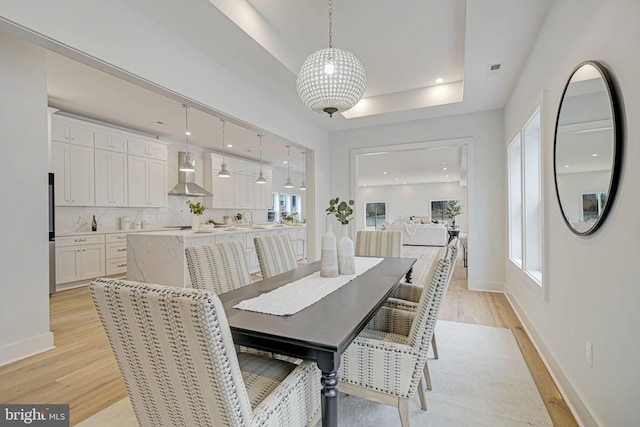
x,y
88,233
221,230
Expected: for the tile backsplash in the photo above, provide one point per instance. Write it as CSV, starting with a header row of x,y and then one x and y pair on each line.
x,y
70,219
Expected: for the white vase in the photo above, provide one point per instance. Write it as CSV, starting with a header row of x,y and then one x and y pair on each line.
x,y
328,253
346,254
195,222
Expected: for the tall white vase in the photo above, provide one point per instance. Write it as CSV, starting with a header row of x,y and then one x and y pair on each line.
x,y
195,222
346,254
328,252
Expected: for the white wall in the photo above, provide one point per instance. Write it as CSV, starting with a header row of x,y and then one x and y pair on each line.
x,y
144,50
24,256
486,203
408,200
593,285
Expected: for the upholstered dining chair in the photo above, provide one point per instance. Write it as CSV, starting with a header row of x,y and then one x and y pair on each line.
x,y
218,268
380,243
385,363
276,254
176,356
406,297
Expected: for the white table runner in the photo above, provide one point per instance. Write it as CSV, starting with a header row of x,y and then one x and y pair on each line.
x,y
295,296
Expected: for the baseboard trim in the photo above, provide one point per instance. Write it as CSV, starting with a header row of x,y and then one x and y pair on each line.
x,y
482,285
26,348
580,410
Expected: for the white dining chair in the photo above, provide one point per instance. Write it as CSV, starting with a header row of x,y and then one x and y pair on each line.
x,y
176,355
276,254
385,363
218,268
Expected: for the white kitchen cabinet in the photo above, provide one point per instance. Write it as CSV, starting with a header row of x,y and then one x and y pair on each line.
x,y
60,168
71,131
250,250
116,254
79,258
111,178
147,182
110,141
143,148
73,168
239,191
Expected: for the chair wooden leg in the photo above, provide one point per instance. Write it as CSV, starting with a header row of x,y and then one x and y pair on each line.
x,y
434,346
422,394
426,375
403,408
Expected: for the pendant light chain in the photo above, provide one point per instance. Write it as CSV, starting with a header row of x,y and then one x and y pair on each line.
x,y
260,136
330,25
223,149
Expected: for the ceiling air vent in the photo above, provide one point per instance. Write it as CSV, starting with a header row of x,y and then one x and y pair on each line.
x,y
494,68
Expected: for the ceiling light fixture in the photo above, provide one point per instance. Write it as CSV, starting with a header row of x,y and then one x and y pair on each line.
x,y
331,80
288,184
186,166
261,179
303,186
438,81
224,173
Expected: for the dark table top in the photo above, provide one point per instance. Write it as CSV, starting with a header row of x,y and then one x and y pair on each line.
x,y
328,325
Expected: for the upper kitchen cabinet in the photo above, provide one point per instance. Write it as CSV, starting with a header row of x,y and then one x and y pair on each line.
x,y
111,184
142,148
72,162
239,191
64,129
110,141
147,174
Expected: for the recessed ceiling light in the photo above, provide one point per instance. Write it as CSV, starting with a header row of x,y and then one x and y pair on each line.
x,y
448,180
444,169
229,145
285,162
404,183
594,155
187,133
566,166
440,80
397,179
385,172
446,176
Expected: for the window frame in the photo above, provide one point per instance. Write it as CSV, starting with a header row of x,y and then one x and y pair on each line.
x,y
531,233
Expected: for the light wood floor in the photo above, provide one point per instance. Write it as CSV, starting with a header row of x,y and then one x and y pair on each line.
x,y
82,371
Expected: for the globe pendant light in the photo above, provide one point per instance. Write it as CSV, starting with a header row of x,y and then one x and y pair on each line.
x,y
303,186
288,184
331,80
261,179
224,173
186,166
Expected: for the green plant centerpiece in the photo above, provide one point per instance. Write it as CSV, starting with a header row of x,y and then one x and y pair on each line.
x,y
289,219
454,208
196,208
346,256
342,210
238,217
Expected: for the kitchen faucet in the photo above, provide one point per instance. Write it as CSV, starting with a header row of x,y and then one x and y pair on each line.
x,y
250,216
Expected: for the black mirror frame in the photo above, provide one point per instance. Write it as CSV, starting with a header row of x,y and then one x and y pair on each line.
x,y
618,144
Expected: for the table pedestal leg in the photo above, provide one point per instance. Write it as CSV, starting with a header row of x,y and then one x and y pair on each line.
x,y
409,276
329,399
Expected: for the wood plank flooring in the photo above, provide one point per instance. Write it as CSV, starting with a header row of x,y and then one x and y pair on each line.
x,y
82,371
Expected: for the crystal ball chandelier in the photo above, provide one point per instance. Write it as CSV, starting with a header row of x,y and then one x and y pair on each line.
x,y
331,80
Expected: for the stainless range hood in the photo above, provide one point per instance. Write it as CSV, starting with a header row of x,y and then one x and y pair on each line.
x,y
186,185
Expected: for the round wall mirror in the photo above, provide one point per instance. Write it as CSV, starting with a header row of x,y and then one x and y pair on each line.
x,y
588,147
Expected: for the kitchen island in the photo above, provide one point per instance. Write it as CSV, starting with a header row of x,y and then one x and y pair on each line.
x,y
159,256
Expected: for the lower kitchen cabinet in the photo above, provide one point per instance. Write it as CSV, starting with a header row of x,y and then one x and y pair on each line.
x,y
79,258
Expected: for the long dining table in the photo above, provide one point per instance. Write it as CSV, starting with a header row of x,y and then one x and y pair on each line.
x,y
322,331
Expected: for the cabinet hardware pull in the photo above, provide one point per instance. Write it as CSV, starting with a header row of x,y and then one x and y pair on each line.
x,y
122,250
121,237
122,265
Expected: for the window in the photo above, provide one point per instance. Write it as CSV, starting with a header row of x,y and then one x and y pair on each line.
x,y
296,206
439,210
592,204
375,213
525,199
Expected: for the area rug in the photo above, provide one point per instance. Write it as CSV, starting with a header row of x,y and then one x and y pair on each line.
x,y
480,379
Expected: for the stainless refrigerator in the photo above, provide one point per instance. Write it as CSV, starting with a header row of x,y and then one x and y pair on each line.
x,y
52,237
